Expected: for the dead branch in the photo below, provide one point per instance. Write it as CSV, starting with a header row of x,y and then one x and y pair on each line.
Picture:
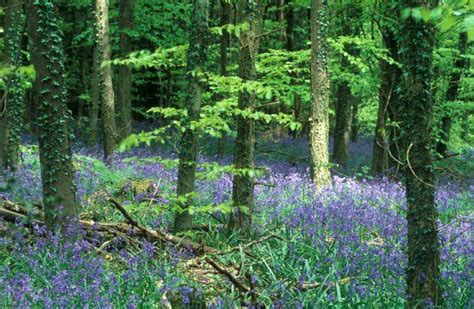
x,y
242,288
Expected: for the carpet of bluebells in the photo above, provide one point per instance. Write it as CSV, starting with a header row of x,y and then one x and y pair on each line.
x,y
350,239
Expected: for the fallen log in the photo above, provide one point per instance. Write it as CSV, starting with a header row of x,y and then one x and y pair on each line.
x,y
15,213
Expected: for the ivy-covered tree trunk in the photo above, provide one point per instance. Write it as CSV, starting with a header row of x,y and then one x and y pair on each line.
x,y
57,172
384,137
197,56
13,107
124,94
226,9
415,118
244,151
106,87
460,64
319,131
95,99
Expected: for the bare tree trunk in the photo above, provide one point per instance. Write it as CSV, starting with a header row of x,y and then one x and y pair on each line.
x,y
13,108
244,152
343,123
197,56
319,132
95,99
124,95
355,121
106,86
57,172
226,9
350,15
460,64
384,138
415,117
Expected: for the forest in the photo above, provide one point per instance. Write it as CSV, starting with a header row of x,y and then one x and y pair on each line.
x,y
236,154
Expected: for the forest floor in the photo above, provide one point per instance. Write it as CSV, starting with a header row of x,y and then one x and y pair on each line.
x,y
342,247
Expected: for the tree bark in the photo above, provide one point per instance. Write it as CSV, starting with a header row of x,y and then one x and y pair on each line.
x,y
290,25
106,86
415,115
124,94
95,99
197,56
460,64
244,151
343,122
384,137
355,122
319,132
226,10
350,19
13,108
57,172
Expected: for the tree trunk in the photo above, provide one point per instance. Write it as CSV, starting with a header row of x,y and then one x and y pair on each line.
x,y
460,64
106,86
343,122
279,12
226,9
244,152
415,116
95,99
197,56
57,172
124,95
355,122
11,113
319,132
350,15
384,138
290,25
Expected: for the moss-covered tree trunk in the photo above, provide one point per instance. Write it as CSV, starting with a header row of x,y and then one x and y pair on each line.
x,y
416,139
244,151
107,94
124,89
460,64
319,131
197,55
57,172
13,107
384,137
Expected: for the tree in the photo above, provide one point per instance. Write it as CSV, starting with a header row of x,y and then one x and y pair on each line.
x,y
197,55
124,96
415,117
226,10
95,98
57,173
460,64
107,95
13,107
319,132
351,25
244,151
390,74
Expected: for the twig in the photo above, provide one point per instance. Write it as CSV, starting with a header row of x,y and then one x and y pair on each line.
x,y
411,169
